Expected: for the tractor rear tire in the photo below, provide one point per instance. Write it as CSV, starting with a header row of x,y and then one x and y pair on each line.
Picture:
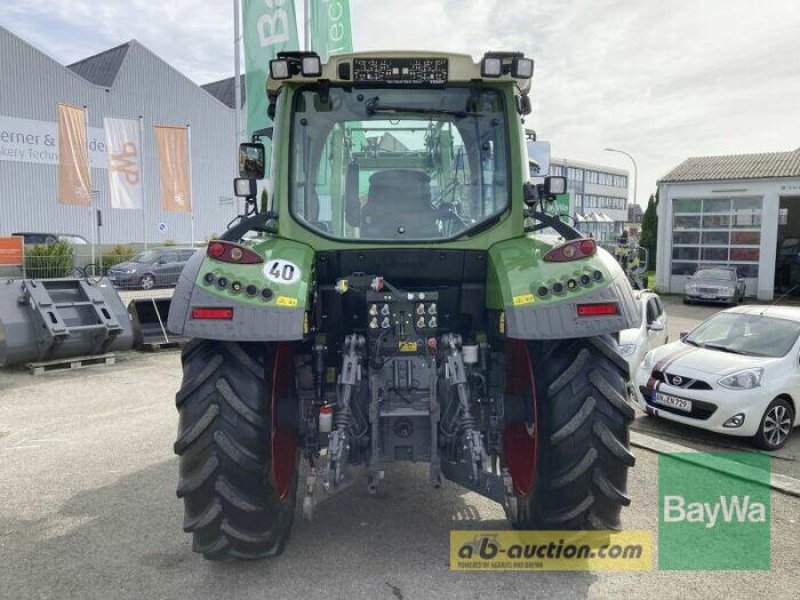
x,y
238,502
582,425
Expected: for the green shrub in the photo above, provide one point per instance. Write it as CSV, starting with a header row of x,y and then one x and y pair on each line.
x,y
44,261
118,254
168,243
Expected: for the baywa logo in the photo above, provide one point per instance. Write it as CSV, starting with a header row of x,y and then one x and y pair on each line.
x,y
714,511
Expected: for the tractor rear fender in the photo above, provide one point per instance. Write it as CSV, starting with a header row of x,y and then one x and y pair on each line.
x,y
540,299
268,300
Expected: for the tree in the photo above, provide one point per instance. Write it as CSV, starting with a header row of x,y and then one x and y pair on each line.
x,y
649,237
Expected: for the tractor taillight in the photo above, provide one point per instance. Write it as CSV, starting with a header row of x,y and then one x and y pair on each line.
x,y
602,309
232,253
572,250
212,314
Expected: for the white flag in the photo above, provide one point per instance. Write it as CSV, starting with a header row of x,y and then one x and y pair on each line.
x,y
124,148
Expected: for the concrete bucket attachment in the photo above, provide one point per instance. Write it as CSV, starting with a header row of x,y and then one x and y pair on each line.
x,y
60,318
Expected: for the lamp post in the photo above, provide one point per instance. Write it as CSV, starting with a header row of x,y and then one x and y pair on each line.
x,y
635,170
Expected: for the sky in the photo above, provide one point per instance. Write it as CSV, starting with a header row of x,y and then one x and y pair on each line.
x,y
660,79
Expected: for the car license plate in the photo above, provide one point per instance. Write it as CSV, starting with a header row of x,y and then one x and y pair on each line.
x,y
672,401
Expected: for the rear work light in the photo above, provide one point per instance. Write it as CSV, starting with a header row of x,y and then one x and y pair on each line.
x,y
572,250
597,310
212,314
232,253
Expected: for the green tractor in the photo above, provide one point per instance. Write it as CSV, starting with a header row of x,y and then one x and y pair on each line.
x,y
406,297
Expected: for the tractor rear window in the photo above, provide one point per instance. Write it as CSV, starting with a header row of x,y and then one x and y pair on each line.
x,y
398,164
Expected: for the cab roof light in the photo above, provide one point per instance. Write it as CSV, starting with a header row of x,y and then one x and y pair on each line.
x,y
572,250
495,64
288,64
232,253
602,309
212,314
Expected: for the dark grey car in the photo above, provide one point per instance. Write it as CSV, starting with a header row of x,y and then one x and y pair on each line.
x,y
715,284
156,267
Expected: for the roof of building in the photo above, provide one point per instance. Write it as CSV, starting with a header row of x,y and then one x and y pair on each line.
x,y
101,69
568,162
224,90
765,165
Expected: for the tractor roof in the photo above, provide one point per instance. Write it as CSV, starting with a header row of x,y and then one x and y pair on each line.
x,y
398,68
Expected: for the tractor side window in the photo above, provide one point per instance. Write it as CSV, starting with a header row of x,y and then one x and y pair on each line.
x,y
398,164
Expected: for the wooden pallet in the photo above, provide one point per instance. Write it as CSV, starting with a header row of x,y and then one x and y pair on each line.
x,y
74,362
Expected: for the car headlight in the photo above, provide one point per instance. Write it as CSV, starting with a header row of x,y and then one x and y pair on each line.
x,y
742,380
627,349
647,361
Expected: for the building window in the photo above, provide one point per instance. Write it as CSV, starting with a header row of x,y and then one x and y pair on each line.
x,y
720,231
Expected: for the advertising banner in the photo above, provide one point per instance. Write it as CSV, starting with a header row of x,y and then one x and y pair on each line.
x,y
11,251
331,32
124,162
269,27
32,141
74,184
173,166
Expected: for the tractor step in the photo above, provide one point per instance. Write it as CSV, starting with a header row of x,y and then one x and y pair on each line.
x,y
74,362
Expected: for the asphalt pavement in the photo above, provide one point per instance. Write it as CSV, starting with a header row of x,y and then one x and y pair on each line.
x,y
87,489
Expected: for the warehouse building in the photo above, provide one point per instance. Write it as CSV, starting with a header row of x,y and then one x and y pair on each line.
x,y
598,196
128,81
740,210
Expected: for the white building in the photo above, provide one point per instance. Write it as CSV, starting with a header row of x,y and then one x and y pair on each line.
x,y
127,81
728,210
598,196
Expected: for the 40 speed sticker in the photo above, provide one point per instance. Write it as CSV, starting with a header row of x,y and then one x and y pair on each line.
x,y
282,271
551,551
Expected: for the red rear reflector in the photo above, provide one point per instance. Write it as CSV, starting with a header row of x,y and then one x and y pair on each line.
x,y
219,314
597,310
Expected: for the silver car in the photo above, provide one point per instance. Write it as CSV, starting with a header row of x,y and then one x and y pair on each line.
x,y
715,284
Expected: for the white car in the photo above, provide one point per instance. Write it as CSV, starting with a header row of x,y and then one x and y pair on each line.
x,y
737,373
651,333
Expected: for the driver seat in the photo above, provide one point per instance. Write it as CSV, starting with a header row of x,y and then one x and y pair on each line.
x,y
399,200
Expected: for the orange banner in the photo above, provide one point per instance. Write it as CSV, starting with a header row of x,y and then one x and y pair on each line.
x,y
11,251
173,161
74,183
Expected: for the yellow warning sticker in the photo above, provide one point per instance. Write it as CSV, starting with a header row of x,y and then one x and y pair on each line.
x,y
286,301
523,299
408,346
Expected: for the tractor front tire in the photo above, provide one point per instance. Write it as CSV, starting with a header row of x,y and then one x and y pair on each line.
x,y
238,470
583,454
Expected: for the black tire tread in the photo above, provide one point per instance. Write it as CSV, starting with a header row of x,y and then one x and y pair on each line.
x,y
232,508
583,427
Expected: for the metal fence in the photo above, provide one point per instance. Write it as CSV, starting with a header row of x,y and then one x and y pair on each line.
x,y
55,261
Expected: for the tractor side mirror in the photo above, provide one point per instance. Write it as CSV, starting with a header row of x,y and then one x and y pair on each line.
x,y
555,185
538,158
251,161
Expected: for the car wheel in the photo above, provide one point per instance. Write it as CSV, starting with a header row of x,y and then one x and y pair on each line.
x,y
686,301
776,425
148,282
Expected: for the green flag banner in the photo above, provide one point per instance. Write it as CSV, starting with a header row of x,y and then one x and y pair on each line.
x,y
269,26
331,32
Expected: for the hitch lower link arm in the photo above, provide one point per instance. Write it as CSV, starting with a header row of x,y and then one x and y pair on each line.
x,y
474,453
339,440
